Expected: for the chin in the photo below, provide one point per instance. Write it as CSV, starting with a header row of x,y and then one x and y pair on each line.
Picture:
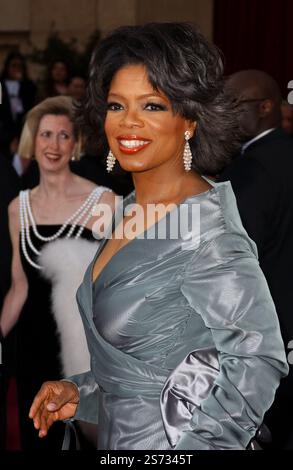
x,y
132,165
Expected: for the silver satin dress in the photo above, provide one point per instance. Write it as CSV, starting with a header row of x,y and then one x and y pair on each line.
x,y
186,351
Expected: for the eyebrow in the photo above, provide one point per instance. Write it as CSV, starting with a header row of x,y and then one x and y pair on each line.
x,y
146,95
45,129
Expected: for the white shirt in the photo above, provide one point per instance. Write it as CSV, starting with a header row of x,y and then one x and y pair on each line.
x,y
259,136
16,106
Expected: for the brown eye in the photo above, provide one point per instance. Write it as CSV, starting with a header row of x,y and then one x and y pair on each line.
x,y
114,107
155,107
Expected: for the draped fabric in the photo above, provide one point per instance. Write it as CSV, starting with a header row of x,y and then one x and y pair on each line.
x,y
185,346
256,34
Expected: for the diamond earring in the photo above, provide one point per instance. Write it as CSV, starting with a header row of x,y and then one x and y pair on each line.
x,y
187,155
110,161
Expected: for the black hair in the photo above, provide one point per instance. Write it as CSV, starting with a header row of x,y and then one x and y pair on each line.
x,y
49,82
186,68
10,57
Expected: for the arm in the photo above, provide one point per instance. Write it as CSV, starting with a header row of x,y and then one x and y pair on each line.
x,y
17,293
72,398
225,286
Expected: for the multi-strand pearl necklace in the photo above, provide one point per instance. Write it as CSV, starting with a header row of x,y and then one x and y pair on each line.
x,y
80,218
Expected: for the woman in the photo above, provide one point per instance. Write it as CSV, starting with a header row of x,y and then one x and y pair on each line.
x,y
19,94
185,346
57,80
60,206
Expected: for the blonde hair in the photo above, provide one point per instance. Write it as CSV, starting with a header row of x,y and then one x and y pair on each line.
x,y
58,106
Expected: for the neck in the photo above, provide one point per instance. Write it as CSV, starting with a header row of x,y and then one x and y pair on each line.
x,y
162,187
54,185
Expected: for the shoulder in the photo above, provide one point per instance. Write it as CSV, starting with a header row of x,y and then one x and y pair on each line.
x,y
218,212
107,197
13,208
13,213
84,185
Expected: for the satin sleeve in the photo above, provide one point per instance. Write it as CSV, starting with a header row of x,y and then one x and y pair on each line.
x,y
88,407
224,284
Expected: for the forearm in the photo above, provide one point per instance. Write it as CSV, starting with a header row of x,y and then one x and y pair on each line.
x,y
12,307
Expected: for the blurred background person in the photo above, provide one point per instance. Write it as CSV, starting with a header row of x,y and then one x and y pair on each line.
x,y
60,206
18,97
77,88
262,182
57,80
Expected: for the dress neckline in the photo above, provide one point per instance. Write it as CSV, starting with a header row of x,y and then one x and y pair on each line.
x,y
204,194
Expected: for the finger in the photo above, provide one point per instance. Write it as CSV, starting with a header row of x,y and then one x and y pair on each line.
x,y
38,401
51,419
43,422
37,417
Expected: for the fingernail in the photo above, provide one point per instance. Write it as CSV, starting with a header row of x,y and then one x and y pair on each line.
x,y
51,406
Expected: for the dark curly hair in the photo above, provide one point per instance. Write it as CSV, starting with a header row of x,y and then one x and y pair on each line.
x,y
186,68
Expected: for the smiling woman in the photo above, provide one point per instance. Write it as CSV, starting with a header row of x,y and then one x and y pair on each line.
x,y
185,345
59,207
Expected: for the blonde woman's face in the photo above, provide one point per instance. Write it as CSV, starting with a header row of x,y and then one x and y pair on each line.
x,y
55,143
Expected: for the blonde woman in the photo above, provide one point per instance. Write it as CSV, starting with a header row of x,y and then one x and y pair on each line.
x,y
59,207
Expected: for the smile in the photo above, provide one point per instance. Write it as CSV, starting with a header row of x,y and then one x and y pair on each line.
x,y
52,157
132,145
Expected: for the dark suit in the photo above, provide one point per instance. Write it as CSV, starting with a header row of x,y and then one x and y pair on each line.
x,y
262,179
11,127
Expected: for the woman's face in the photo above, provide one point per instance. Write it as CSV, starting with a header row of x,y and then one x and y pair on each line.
x,y
55,142
142,131
59,72
15,69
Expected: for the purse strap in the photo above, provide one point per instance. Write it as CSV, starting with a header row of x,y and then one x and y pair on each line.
x,y
70,440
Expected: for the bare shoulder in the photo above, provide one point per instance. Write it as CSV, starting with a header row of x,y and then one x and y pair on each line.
x,y
13,213
13,208
108,197
84,185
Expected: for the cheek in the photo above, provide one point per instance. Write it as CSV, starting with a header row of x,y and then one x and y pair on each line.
x,y
38,148
109,126
67,148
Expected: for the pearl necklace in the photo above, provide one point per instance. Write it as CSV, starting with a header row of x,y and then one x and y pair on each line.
x,y
84,213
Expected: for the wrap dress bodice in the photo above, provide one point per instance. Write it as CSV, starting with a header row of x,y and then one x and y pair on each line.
x,y
185,346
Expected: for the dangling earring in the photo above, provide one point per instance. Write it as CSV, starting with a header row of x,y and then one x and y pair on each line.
x,y
187,155
110,161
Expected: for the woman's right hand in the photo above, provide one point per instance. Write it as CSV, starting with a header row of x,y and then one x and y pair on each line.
x,y
54,402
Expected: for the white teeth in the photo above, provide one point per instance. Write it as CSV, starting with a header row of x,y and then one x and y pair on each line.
x,y
131,144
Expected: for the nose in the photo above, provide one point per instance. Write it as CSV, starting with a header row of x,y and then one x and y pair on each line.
x,y
55,142
131,119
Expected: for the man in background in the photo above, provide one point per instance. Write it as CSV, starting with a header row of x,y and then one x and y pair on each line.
x,y
261,177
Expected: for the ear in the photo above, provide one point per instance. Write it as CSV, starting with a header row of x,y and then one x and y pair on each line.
x,y
265,108
191,126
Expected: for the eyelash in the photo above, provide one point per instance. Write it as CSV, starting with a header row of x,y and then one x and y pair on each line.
x,y
156,107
